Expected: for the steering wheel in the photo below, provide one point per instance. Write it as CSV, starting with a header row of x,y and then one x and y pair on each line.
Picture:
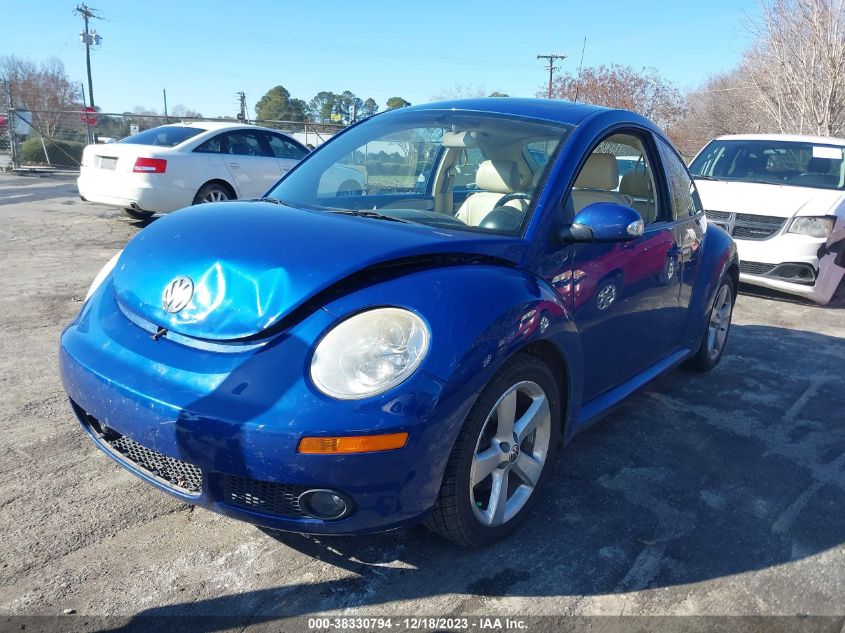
x,y
512,196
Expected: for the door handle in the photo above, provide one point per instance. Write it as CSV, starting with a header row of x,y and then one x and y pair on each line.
x,y
234,165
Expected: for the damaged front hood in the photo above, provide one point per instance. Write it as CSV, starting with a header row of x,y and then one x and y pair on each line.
x,y
767,199
250,264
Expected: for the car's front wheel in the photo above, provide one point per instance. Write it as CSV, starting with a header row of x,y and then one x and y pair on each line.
x,y
501,456
718,327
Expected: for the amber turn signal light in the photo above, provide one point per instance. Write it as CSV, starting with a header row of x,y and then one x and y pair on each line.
x,y
352,444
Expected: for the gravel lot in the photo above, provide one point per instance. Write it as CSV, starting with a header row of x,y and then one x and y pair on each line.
x,y
721,494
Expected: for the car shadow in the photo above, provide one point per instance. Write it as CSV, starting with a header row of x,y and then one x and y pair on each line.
x,y
698,477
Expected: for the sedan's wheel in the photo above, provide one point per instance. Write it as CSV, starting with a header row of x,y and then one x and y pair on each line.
x,y
212,192
501,455
138,214
718,327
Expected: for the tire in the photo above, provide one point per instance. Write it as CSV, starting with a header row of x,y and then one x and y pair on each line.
x,y
467,515
718,328
607,294
213,192
138,214
670,269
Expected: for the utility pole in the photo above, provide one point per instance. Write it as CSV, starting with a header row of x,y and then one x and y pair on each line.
x,y
164,93
551,67
89,38
242,111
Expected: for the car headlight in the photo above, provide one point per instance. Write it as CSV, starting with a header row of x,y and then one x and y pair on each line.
x,y
101,276
369,353
814,227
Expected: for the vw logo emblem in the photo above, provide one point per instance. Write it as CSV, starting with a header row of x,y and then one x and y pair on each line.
x,y
177,294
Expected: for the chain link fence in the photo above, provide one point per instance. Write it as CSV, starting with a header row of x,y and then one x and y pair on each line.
x,y
54,140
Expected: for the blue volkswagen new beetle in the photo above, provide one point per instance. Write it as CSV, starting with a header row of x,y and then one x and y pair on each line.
x,y
335,359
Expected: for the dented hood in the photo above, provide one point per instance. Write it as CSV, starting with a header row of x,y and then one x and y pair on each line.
x,y
252,263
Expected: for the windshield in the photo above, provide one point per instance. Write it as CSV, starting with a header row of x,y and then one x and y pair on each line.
x,y
798,164
164,136
449,169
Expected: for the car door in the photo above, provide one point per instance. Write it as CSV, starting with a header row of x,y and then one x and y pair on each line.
x,y
688,214
286,150
625,295
251,164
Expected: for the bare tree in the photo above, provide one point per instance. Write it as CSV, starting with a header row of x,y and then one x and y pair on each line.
x,y
643,91
797,65
723,104
460,91
45,90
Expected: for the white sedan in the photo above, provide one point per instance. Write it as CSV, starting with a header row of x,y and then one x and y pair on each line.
x,y
782,197
173,166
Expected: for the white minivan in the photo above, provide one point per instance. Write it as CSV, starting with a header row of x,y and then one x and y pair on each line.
x,y
782,198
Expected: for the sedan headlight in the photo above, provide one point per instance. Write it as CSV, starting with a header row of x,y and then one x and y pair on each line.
x,y
369,353
814,227
101,276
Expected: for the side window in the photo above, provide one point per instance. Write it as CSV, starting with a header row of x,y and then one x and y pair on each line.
x,y
682,191
211,146
283,148
618,170
243,143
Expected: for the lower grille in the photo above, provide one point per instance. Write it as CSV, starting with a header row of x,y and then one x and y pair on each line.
x,y
718,216
177,473
263,496
755,268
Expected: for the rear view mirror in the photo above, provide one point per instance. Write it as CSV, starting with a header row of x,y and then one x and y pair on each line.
x,y
604,222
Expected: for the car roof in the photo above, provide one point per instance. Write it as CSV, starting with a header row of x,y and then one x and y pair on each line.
x,y
217,126
795,138
549,109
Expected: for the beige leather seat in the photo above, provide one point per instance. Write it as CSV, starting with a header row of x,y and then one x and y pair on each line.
x,y
636,184
496,178
598,177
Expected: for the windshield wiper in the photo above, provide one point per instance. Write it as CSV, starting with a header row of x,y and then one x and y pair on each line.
x,y
367,213
273,200
702,177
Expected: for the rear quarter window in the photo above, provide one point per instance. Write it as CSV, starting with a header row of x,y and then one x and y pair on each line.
x,y
164,136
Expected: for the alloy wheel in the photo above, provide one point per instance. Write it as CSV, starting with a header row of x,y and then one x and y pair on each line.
x,y
510,453
215,195
720,322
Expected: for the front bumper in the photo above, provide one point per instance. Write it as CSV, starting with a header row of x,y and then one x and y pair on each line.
x,y
128,190
763,263
237,418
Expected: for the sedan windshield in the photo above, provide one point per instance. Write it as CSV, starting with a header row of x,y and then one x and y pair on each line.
x,y
464,170
164,136
798,164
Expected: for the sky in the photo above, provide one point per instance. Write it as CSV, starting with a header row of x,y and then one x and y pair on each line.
x,y
204,52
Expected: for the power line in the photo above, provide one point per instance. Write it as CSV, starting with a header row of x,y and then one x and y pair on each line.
x,y
88,38
551,67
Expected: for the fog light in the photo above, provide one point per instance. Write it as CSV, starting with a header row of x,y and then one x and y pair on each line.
x,y
323,504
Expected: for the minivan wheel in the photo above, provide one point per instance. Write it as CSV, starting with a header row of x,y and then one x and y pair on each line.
x,y
501,456
717,329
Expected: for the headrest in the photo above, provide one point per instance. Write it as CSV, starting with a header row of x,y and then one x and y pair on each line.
x,y
636,183
599,172
459,139
499,176
818,165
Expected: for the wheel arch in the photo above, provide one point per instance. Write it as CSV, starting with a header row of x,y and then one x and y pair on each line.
x,y
219,181
554,358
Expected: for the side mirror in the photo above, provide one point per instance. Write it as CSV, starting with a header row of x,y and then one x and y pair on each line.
x,y
604,222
